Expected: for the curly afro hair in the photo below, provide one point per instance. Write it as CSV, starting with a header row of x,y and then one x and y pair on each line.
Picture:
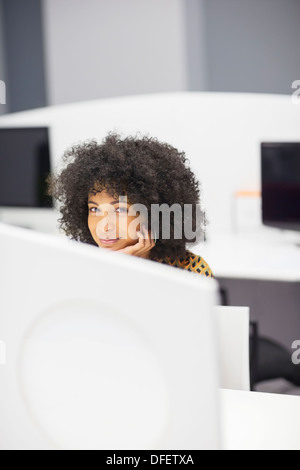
x,y
142,168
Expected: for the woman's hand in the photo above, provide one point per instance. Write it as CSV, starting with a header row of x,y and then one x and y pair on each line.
x,y
142,247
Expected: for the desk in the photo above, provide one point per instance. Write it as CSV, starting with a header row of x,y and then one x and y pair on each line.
x,y
265,255
259,421
261,270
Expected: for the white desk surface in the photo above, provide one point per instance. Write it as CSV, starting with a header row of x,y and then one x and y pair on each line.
x,y
262,256
259,421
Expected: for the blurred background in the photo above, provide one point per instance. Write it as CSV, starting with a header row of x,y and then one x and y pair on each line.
x,y
56,52
61,51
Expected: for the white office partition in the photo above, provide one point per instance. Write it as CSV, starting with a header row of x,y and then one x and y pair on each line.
x,y
102,350
233,326
220,133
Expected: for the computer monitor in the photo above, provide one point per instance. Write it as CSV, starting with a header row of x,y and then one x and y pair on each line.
x,y
25,163
103,350
24,166
280,184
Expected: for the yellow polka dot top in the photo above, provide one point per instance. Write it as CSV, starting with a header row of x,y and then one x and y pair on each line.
x,y
190,262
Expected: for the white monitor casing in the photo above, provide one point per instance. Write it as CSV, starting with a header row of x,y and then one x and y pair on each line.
x,y
103,350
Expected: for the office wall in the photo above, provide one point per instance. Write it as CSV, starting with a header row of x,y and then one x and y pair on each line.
x,y
99,48
23,41
195,39
102,49
3,107
252,45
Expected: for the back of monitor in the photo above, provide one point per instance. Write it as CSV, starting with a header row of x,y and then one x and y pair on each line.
x,y
103,350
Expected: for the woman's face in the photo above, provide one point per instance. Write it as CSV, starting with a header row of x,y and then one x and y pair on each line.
x,y
108,222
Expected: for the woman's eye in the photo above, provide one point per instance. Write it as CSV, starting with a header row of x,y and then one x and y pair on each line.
x,y
121,210
94,210
97,211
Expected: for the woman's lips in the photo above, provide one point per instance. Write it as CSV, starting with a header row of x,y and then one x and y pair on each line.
x,y
106,241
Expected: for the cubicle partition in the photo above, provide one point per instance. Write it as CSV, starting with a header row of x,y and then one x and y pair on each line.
x,y
221,134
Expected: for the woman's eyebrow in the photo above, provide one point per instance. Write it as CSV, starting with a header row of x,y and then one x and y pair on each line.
x,y
113,202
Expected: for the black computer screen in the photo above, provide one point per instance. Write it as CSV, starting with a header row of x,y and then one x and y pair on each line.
x,y
24,166
280,178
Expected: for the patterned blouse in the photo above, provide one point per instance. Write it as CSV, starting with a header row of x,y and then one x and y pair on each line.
x,y
190,262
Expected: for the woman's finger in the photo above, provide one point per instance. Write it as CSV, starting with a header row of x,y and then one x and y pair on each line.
x,y
135,249
143,245
149,242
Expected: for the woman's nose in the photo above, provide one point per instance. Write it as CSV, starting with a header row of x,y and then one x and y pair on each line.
x,y
105,226
109,226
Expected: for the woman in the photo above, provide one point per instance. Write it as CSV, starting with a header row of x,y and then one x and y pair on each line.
x,y
104,186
